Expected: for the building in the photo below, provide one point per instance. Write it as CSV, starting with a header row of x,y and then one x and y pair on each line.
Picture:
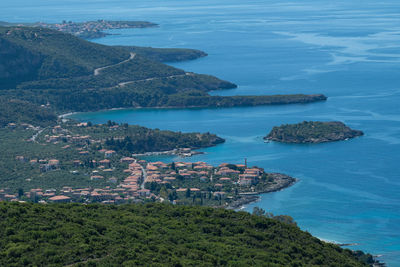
x,y
60,199
128,160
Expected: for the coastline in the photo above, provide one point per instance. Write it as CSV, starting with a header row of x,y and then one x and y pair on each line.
x,y
252,197
66,115
174,152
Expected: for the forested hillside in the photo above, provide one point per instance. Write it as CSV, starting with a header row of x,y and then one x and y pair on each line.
x,y
54,60
155,235
44,66
46,53
166,54
19,111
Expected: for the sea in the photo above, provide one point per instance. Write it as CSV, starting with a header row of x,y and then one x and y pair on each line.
x,y
348,191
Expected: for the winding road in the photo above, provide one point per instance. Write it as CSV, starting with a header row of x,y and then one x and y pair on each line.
x,y
98,70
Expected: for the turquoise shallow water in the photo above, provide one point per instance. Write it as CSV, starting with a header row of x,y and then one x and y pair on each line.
x,y
349,191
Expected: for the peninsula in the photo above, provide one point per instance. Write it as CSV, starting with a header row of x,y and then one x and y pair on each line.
x,y
47,159
88,29
98,163
69,153
69,74
87,167
312,132
95,29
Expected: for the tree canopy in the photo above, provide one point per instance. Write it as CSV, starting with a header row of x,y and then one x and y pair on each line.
x,y
154,235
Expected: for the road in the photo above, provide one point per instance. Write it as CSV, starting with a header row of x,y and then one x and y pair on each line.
x,y
145,181
132,56
98,70
154,78
144,177
33,138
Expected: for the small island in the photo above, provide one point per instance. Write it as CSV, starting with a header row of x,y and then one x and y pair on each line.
x,y
312,132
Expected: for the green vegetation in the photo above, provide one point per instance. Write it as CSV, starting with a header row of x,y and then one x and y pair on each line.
x,y
200,99
15,174
127,139
65,145
38,58
139,96
38,54
282,218
312,132
44,66
199,183
154,235
166,54
88,29
18,111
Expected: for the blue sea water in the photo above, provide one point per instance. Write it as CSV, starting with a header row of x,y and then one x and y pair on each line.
x,y
349,191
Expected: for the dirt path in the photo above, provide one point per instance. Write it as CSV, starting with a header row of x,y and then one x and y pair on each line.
x,y
98,70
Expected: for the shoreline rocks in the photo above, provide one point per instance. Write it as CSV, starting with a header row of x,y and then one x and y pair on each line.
x,y
281,181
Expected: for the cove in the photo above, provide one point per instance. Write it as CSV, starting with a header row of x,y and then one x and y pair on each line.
x,y
348,50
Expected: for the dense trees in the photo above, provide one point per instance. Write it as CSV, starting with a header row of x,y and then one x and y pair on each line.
x,y
166,54
128,139
282,218
55,54
18,111
45,66
38,58
154,235
141,139
312,132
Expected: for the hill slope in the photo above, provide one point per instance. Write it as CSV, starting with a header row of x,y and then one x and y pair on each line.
x,y
76,75
19,111
45,53
154,235
48,54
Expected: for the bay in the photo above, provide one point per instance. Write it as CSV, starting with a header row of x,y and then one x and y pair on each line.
x,y
349,191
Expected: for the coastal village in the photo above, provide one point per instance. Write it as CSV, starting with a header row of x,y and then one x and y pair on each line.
x,y
90,29
105,169
112,178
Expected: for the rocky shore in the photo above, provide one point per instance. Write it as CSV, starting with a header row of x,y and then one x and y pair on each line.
x,y
280,182
182,152
312,132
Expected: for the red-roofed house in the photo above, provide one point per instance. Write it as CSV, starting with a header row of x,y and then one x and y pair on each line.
x,y
60,199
